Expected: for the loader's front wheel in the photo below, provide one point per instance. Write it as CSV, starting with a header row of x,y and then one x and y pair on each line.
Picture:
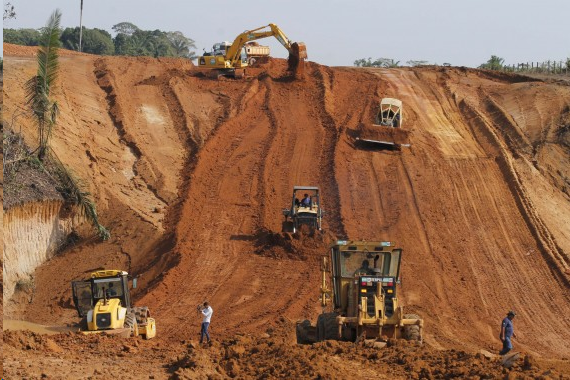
x,y
303,331
131,322
327,328
412,332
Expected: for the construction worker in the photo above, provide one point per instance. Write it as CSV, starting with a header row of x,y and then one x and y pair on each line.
x,y
111,292
507,331
207,312
306,201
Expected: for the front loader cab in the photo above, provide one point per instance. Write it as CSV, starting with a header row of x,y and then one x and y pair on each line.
x,y
102,286
305,208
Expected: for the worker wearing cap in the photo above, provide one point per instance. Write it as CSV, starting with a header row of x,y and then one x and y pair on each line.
x,y
507,332
207,312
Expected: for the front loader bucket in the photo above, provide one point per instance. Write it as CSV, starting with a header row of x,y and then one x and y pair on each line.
x,y
386,135
297,59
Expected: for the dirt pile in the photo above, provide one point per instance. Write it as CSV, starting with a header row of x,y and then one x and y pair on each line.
x,y
269,354
191,175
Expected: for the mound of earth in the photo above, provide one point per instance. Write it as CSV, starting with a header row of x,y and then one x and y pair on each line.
x,y
269,354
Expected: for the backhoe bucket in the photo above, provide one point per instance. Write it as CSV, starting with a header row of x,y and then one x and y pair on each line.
x,y
297,59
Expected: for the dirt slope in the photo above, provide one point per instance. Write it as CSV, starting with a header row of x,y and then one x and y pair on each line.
x,y
191,175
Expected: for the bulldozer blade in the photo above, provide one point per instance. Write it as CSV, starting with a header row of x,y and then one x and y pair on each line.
x,y
297,59
386,135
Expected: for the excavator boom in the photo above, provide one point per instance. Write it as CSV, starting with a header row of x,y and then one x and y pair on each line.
x,y
233,58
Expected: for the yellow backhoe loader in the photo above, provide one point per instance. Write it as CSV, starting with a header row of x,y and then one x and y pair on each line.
x,y
231,60
104,303
387,129
360,283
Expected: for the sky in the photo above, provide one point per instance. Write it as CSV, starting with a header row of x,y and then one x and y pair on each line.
x,y
338,32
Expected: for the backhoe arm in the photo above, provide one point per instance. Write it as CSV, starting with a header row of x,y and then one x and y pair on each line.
x,y
234,51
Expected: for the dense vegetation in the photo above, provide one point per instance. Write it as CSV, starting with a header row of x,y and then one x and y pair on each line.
x,y
129,40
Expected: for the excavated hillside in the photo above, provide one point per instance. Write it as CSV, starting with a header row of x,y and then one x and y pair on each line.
x,y
190,175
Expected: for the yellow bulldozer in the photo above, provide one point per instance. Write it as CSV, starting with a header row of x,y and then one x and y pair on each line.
x,y
104,303
360,284
307,211
231,59
387,129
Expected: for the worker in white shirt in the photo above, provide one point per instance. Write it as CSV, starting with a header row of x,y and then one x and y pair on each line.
x,y
207,312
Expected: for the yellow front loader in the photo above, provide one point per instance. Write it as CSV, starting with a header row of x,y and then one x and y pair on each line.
x,y
360,283
104,303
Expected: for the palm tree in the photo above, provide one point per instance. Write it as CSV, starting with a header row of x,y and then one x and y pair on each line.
x,y
46,111
38,87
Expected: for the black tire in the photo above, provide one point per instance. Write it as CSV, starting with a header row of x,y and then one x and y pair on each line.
x,y
141,314
131,322
412,332
302,334
288,226
327,328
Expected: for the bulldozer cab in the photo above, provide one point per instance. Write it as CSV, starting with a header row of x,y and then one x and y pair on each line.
x,y
104,285
305,208
364,264
387,129
390,113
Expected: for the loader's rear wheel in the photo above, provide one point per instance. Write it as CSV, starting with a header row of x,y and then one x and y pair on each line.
x,y
327,328
141,314
412,332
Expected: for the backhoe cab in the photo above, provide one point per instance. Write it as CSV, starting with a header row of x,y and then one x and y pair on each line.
x,y
305,208
387,129
232,59
104,303
360,284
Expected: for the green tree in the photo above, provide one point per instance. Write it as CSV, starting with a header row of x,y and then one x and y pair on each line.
x,y
181,45
494,63
94,41
26,37
126,28
38,87
417,63
380,62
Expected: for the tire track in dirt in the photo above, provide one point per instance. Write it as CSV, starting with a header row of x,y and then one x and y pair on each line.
x,y
216,261
473,269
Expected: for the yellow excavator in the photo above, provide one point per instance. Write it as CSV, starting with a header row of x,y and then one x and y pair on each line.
x,y
232,60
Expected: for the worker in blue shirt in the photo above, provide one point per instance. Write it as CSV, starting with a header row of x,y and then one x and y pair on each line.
x,y
507,332
306,201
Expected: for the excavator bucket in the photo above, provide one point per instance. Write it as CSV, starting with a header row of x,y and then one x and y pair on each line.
x,y
297,59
